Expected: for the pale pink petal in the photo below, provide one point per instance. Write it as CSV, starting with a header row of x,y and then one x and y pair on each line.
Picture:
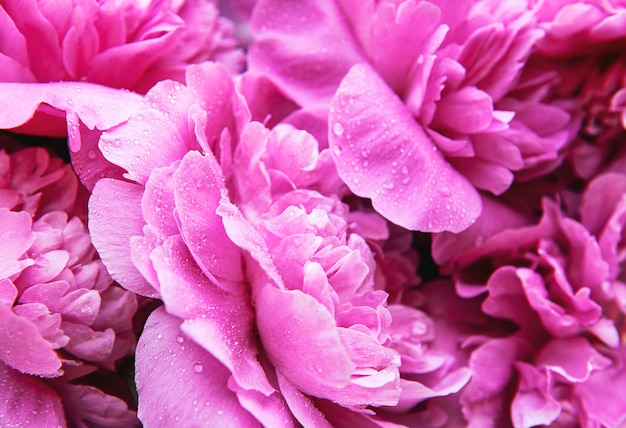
x,y
409,182
115,217
301,340
198,189
16,237
178,382
219,321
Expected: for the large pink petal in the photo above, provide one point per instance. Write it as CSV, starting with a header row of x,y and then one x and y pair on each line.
x,y
178,382
383,154
301,338
96,106
198,188
28,402
146,141
220,322
115,217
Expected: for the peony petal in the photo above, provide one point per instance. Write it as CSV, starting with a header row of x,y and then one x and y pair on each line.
x,y
383,154
573,358
16,236
23,348
292,46
198,189
179,382
96,106
300,405
115,217
301,339
533,405
220,322
95,408
28,401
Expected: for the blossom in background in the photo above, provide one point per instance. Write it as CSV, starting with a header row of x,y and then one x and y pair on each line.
x,y
274,304
555,285
62,317
119,44
581,58
442,123
122,44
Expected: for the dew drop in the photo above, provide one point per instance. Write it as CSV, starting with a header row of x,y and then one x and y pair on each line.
x,y
388,186
92,155
337,150
180,339
338,129
198,368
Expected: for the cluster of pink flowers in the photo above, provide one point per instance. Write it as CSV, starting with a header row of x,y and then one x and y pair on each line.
x,y
313,213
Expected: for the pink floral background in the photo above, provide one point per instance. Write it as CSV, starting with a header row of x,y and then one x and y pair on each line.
x,y
329,213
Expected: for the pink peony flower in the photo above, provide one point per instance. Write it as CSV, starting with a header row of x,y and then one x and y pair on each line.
x,y
418,120
80,111
122,44
274,303
62,318
552,317
581,59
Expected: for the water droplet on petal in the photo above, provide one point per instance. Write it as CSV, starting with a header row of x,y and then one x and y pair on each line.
x,y
180,339
338,129
337,150
91,154
198,368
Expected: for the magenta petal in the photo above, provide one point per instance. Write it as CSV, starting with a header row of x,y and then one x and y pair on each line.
x,y
88,404
23,348
198,189
28,402
301,338
383,154
573,358
178,382
220,322
533,404
115,217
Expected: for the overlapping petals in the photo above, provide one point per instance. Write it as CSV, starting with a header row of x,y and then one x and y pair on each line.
x,y
265,270
125,44
451,84
62,317
553,283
